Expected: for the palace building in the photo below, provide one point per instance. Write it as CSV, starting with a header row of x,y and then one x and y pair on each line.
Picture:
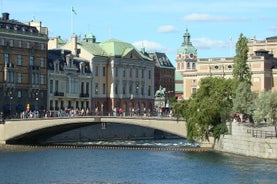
x,y
191,69
23,53
122,76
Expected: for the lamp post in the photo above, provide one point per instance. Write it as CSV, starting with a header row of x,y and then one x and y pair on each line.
x,y
11,98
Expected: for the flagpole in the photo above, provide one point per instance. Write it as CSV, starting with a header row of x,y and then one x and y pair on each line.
x,y
71,20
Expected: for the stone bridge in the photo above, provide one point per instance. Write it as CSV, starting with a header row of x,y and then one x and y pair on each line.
x,y
14,130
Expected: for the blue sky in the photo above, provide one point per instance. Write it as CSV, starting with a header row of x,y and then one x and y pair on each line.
x,y
157,25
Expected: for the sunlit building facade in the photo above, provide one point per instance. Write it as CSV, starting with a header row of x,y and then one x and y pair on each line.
x,y
23,54
122,76
262,64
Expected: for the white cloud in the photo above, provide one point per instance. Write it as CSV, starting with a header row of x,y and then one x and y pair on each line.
x,y
149,45
205,17
167,29
206,43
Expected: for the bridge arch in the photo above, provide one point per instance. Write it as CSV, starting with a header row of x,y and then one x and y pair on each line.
x,y
14,130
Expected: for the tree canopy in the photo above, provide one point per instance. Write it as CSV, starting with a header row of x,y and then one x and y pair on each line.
x,y
241,70
207,108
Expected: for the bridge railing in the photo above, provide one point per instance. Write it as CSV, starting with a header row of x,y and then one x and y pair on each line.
x,y
66,113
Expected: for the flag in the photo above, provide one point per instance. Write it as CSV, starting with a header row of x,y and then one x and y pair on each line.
x,y
73,10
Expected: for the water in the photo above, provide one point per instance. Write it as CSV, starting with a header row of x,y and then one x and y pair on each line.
x,y
101,166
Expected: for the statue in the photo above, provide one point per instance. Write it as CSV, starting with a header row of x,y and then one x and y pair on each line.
x,y
160,92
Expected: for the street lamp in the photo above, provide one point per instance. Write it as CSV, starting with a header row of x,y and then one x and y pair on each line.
x,y
11,98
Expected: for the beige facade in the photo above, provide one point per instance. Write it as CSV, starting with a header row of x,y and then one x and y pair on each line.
x,y
122,77
263,76
261,61
269,44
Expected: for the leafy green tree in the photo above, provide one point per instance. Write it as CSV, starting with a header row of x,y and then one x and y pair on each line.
x,y
207,108
266,107
244,99
241,70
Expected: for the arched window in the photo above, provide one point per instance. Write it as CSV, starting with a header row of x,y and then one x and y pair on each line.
x,y
188,65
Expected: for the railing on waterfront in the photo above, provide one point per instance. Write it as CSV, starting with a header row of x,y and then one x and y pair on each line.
x,y
262,133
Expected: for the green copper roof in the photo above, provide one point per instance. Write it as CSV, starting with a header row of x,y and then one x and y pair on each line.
x,y
114,47
187,47
92,48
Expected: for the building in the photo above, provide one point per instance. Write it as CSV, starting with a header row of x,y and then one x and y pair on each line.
x,y
69,81
261,62
23,79
186,60
269,44
122,77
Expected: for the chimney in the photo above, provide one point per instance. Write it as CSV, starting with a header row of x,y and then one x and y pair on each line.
x,y
5,16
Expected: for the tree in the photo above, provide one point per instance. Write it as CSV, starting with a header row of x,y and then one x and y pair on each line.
x,y
207,108
241,71
243,98
266,108
243,101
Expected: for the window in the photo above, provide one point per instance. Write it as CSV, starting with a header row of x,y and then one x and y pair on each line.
x,y
104,71
57,85
96,88
193,65
42,46
104,88
6,58
42,79
149,90
19,93
11,43
51,86
82,87
3,41
124,72
96,70
87,87
137,73
188,65
28,44
19,78
19,60
31,60
42,63
193,90
19,43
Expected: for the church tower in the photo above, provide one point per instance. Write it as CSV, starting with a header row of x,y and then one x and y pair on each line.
x,y
186,55
186,60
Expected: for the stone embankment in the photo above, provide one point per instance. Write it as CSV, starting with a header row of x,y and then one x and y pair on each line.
x,y
246,140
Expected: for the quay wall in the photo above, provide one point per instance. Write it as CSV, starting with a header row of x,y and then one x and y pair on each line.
x,y
249,141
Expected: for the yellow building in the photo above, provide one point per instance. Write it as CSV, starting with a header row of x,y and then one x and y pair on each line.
x,y
261,62
23,79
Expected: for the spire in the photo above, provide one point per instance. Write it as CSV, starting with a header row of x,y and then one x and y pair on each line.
x,y
186,38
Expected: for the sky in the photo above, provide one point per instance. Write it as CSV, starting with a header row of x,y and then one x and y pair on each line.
x,y
156,25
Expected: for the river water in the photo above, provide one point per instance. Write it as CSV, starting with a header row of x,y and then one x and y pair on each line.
x,y
86,165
